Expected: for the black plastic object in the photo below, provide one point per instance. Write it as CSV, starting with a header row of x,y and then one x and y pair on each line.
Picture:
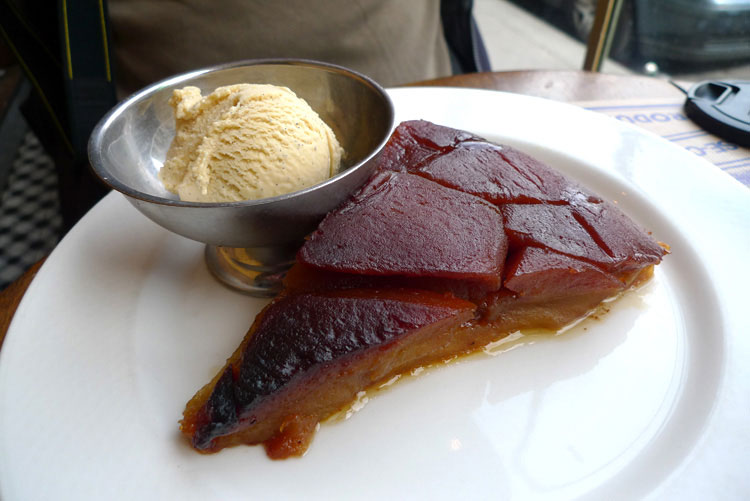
x,y
722,108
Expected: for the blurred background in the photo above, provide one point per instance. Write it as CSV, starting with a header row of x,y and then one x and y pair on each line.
x,y
685,39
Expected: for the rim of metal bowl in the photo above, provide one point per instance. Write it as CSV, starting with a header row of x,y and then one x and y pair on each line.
x,y
95,140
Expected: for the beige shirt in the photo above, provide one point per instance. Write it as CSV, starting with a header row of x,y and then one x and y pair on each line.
x,y
392,41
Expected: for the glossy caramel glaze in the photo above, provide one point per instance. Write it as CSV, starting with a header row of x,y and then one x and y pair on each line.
x,y
414,142
310,344
540,206
454,243
404,225
535,272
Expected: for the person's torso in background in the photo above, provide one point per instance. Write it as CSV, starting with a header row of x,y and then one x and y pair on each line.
x,y
391,41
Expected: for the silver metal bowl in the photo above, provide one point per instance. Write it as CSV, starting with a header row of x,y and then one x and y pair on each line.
x,y
128,146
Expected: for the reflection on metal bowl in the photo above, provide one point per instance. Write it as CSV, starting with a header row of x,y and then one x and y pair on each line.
x,y
128,146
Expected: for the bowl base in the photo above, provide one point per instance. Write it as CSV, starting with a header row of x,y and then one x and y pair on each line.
x,y
249,271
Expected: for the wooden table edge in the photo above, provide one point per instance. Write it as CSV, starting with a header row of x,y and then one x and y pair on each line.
x,y
11,296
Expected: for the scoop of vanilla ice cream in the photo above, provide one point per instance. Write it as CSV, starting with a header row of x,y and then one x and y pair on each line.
x,y
245,142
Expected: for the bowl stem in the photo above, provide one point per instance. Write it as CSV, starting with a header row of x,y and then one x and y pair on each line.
x,y
258,272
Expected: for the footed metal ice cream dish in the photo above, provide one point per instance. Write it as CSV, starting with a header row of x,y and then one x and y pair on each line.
x,y
249,244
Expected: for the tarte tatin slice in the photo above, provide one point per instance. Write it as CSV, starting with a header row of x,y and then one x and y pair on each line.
x,y
454,243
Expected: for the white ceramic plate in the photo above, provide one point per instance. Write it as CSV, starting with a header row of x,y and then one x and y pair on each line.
x,y
123,324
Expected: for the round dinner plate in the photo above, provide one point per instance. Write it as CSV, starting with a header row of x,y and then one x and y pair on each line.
x,y
123,324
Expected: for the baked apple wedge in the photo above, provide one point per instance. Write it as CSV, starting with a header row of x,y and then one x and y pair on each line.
x,y
308,355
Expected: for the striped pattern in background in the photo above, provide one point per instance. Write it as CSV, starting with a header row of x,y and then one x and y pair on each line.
x,y
30,220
